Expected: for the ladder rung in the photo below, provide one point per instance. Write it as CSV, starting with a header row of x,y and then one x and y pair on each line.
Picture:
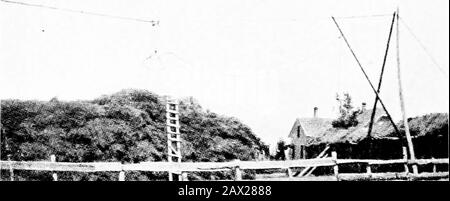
x,y
173,149
170,128
175,115
175,139
177,131
171,132
173,155
176,118
173,125
168,119
172,120
172,135
172,111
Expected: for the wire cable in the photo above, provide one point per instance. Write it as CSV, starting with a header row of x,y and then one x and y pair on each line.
x,y
424,48
362,16
153,22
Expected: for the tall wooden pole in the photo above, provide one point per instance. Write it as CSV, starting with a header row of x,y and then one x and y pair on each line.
x,y
366,76
402,104
381,76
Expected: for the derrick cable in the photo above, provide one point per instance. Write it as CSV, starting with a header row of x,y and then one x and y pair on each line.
x,y
421,44
156,22
362,16
153,22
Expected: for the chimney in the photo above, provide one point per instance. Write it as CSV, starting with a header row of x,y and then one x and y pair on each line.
x,y
363,107
315,111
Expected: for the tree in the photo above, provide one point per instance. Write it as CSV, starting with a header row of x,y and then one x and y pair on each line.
x,y
281,146
347,114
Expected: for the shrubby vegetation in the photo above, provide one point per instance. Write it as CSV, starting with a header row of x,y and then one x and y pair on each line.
x,y
347,115
281,147
127,127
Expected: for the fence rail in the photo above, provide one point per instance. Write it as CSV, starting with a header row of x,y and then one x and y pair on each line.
x,y
235,166
162,166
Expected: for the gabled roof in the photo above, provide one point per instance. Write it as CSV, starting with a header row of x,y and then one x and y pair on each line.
x,y
321,130
313,127
381,129
364,118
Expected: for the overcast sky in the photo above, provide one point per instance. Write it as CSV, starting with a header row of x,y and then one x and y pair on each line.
x,y
264,62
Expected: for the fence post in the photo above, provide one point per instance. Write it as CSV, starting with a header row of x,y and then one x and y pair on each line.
x,y
434,165
170,176
335,167
11,170
368,168
237,174
405,157
237,171
415,168
289,172
53,160
122,176
184,176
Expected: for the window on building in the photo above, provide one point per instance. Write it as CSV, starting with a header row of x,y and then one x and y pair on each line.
x,y
293,152
298,131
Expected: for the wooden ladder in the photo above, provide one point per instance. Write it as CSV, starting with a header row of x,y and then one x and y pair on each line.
x,y
173,135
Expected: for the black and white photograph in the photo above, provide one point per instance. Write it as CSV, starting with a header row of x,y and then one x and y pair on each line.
x,y
224,90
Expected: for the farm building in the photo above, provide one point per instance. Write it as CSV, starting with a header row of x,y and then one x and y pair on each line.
x,y
304,131
310,132
310,136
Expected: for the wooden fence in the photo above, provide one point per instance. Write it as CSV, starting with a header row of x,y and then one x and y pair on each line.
x,y
237,167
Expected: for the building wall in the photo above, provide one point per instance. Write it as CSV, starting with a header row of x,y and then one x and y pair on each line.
x,y
298,140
